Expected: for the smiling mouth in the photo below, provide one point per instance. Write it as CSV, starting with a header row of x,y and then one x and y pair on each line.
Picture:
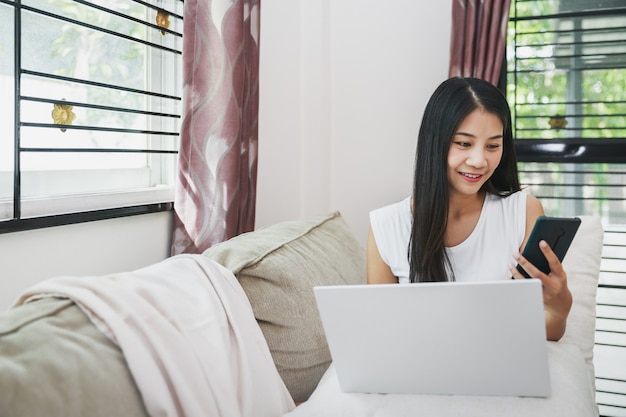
x,y
471,176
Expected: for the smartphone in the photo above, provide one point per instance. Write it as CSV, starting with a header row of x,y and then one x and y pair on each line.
x,y
558,232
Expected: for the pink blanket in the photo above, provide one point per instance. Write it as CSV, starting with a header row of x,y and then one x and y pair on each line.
x,y
188,334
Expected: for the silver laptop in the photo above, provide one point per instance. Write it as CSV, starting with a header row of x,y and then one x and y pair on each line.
x,y
479,338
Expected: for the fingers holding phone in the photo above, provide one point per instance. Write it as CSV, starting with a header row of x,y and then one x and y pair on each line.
x,y
553,282
547,245
541,258
558,233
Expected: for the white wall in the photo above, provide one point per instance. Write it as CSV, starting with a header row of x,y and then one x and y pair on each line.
x,y
343,87
93,248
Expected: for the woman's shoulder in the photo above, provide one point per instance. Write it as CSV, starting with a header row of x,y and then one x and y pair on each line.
x,y
393,218
518,197
534,208
506,216
513,205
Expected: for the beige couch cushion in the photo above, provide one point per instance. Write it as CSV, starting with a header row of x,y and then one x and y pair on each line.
x,y
55,362
278,266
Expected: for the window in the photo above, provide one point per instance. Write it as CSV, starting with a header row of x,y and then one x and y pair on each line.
x,y
566,72
91,104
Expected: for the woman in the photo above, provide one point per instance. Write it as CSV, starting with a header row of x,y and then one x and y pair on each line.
x,y
467,218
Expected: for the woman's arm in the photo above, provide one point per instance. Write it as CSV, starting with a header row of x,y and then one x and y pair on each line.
x,y
557,298
378,272
534,209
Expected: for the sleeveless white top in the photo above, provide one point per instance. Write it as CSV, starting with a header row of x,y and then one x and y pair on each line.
x,y
485,255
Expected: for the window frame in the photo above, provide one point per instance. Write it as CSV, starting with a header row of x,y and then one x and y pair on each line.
x,y
32,213
566,150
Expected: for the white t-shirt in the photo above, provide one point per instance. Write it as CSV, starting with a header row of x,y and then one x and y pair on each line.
x,y
485,255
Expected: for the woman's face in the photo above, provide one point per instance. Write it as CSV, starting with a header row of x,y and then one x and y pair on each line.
x,y
475,152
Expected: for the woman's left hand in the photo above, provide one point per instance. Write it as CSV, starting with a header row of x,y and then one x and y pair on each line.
x,y
557,298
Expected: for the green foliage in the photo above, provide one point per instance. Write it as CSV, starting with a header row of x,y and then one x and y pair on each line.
x,y
89,54
550,81
557,75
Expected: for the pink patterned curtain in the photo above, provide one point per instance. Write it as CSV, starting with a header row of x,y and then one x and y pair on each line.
x,y
216,184
478,38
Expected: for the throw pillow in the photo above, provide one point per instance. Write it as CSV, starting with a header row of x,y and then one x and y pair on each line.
x,y
278,266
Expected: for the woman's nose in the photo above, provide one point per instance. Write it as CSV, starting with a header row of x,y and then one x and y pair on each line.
x,y
477,159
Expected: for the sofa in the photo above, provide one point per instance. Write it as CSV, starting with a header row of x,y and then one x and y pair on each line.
x,y
57,357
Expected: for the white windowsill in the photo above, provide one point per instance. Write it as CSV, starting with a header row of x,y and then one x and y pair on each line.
x,y
39,207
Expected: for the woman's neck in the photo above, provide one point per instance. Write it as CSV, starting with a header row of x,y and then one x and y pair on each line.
x,y
464,205
463,215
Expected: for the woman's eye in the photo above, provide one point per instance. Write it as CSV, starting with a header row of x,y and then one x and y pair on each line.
x,y
493,146
463,144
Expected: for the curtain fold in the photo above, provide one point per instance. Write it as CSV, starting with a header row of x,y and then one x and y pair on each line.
x,y
216,183
478,38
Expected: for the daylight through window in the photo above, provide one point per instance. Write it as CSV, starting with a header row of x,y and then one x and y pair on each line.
x,y
91,104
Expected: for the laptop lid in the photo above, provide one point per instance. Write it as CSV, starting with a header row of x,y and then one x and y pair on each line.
x,y
475,338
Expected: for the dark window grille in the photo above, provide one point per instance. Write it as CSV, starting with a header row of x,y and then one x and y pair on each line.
x,y
95,109
566,69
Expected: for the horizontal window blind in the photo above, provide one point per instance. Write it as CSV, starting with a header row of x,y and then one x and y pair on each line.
x,y
566,68
93,120
610,348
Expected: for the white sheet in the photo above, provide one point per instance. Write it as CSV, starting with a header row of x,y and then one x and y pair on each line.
x,y
188,335
572,396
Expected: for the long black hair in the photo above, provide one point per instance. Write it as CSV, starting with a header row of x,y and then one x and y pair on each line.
x,y
451,102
